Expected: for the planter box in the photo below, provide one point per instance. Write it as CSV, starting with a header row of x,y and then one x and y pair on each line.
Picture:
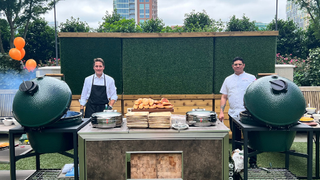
x,y
285,70
49,70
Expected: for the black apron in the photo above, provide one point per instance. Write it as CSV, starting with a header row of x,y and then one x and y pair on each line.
x,y
97,100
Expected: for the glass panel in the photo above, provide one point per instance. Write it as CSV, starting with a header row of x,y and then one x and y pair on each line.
x,y
141,1
147,15
141,6
122,6
147,11
141,15
147,6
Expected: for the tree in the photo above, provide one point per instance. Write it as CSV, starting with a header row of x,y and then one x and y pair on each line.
x,y
19,13
4,36
74,25
124,25
197,20
311,42
152,25
312,7
40,41
290,39
243,24
109,18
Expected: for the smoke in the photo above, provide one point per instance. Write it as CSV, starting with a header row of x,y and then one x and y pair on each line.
x,y
12,79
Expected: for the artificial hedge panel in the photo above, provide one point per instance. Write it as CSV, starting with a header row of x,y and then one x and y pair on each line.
x,y
168,66
258,54
77,56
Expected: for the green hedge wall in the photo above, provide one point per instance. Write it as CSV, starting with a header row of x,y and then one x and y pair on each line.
x,y
168,66
77,56
196,65
258,54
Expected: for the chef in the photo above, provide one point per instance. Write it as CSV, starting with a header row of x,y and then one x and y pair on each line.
x,y
98,92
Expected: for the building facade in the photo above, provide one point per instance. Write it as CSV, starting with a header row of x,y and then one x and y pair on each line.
x,y
300,17
139,10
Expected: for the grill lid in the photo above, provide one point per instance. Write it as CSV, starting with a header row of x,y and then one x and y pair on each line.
x,y
41,101
275,100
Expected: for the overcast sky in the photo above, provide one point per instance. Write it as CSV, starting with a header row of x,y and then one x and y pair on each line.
x,y
172,11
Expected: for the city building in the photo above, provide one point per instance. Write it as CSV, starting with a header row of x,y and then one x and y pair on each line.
x,y
300,17
139,10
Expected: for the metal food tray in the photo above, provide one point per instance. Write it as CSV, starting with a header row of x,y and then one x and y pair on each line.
x,y
52,174
260,174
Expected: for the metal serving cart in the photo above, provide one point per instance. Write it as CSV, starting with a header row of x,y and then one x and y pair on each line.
x,y
20,130
299,127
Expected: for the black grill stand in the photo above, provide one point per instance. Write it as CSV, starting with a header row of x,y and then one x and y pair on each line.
x,y
20,130
299,127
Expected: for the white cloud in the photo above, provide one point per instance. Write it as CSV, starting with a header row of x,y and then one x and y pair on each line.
x,y
172,11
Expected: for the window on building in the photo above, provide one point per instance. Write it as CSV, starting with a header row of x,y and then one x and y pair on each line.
x,y
141,6
147,15
131,6
141,11
141,21
123,1
141,15
147,0
141,0
123,11
147,6
147,11
132,1
131,16
132,11
122,6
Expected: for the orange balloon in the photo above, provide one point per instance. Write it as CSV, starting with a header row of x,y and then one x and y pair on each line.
x,y
23,52
19,42
31,65
14,53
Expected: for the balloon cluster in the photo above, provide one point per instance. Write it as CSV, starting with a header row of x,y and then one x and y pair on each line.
x,y
19,52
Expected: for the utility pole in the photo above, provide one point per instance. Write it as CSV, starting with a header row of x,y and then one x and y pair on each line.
x,y
55,31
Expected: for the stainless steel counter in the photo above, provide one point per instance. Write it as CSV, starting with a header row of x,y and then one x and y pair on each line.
x,y
103,153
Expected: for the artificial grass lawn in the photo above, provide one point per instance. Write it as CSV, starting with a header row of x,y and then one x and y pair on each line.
x,y
298,165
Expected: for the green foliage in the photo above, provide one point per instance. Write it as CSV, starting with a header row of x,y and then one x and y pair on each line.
x,y
109,18
40,40
313,9
243,24
169,29
152,25
123,25
20,12
74,25
290,39
4,36
314,67
311,42
6,63
197,20
306,72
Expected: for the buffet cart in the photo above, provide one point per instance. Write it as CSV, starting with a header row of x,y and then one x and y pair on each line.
x,y
123,153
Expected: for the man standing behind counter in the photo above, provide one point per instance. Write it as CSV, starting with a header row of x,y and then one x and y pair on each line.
x,y
233,89
99,89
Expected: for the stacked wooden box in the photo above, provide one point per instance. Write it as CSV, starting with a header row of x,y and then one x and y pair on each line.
x,y
137,119
160,120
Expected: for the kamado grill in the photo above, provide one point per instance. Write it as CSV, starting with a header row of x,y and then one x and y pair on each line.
x,y
276,103
41,107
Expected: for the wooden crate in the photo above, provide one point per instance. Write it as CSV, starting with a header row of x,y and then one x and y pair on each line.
x,y
156,166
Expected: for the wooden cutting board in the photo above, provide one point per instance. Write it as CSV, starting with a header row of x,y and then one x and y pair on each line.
x,y
153,110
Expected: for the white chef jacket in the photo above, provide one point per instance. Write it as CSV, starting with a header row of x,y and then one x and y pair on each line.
x,y
110,87
234,86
